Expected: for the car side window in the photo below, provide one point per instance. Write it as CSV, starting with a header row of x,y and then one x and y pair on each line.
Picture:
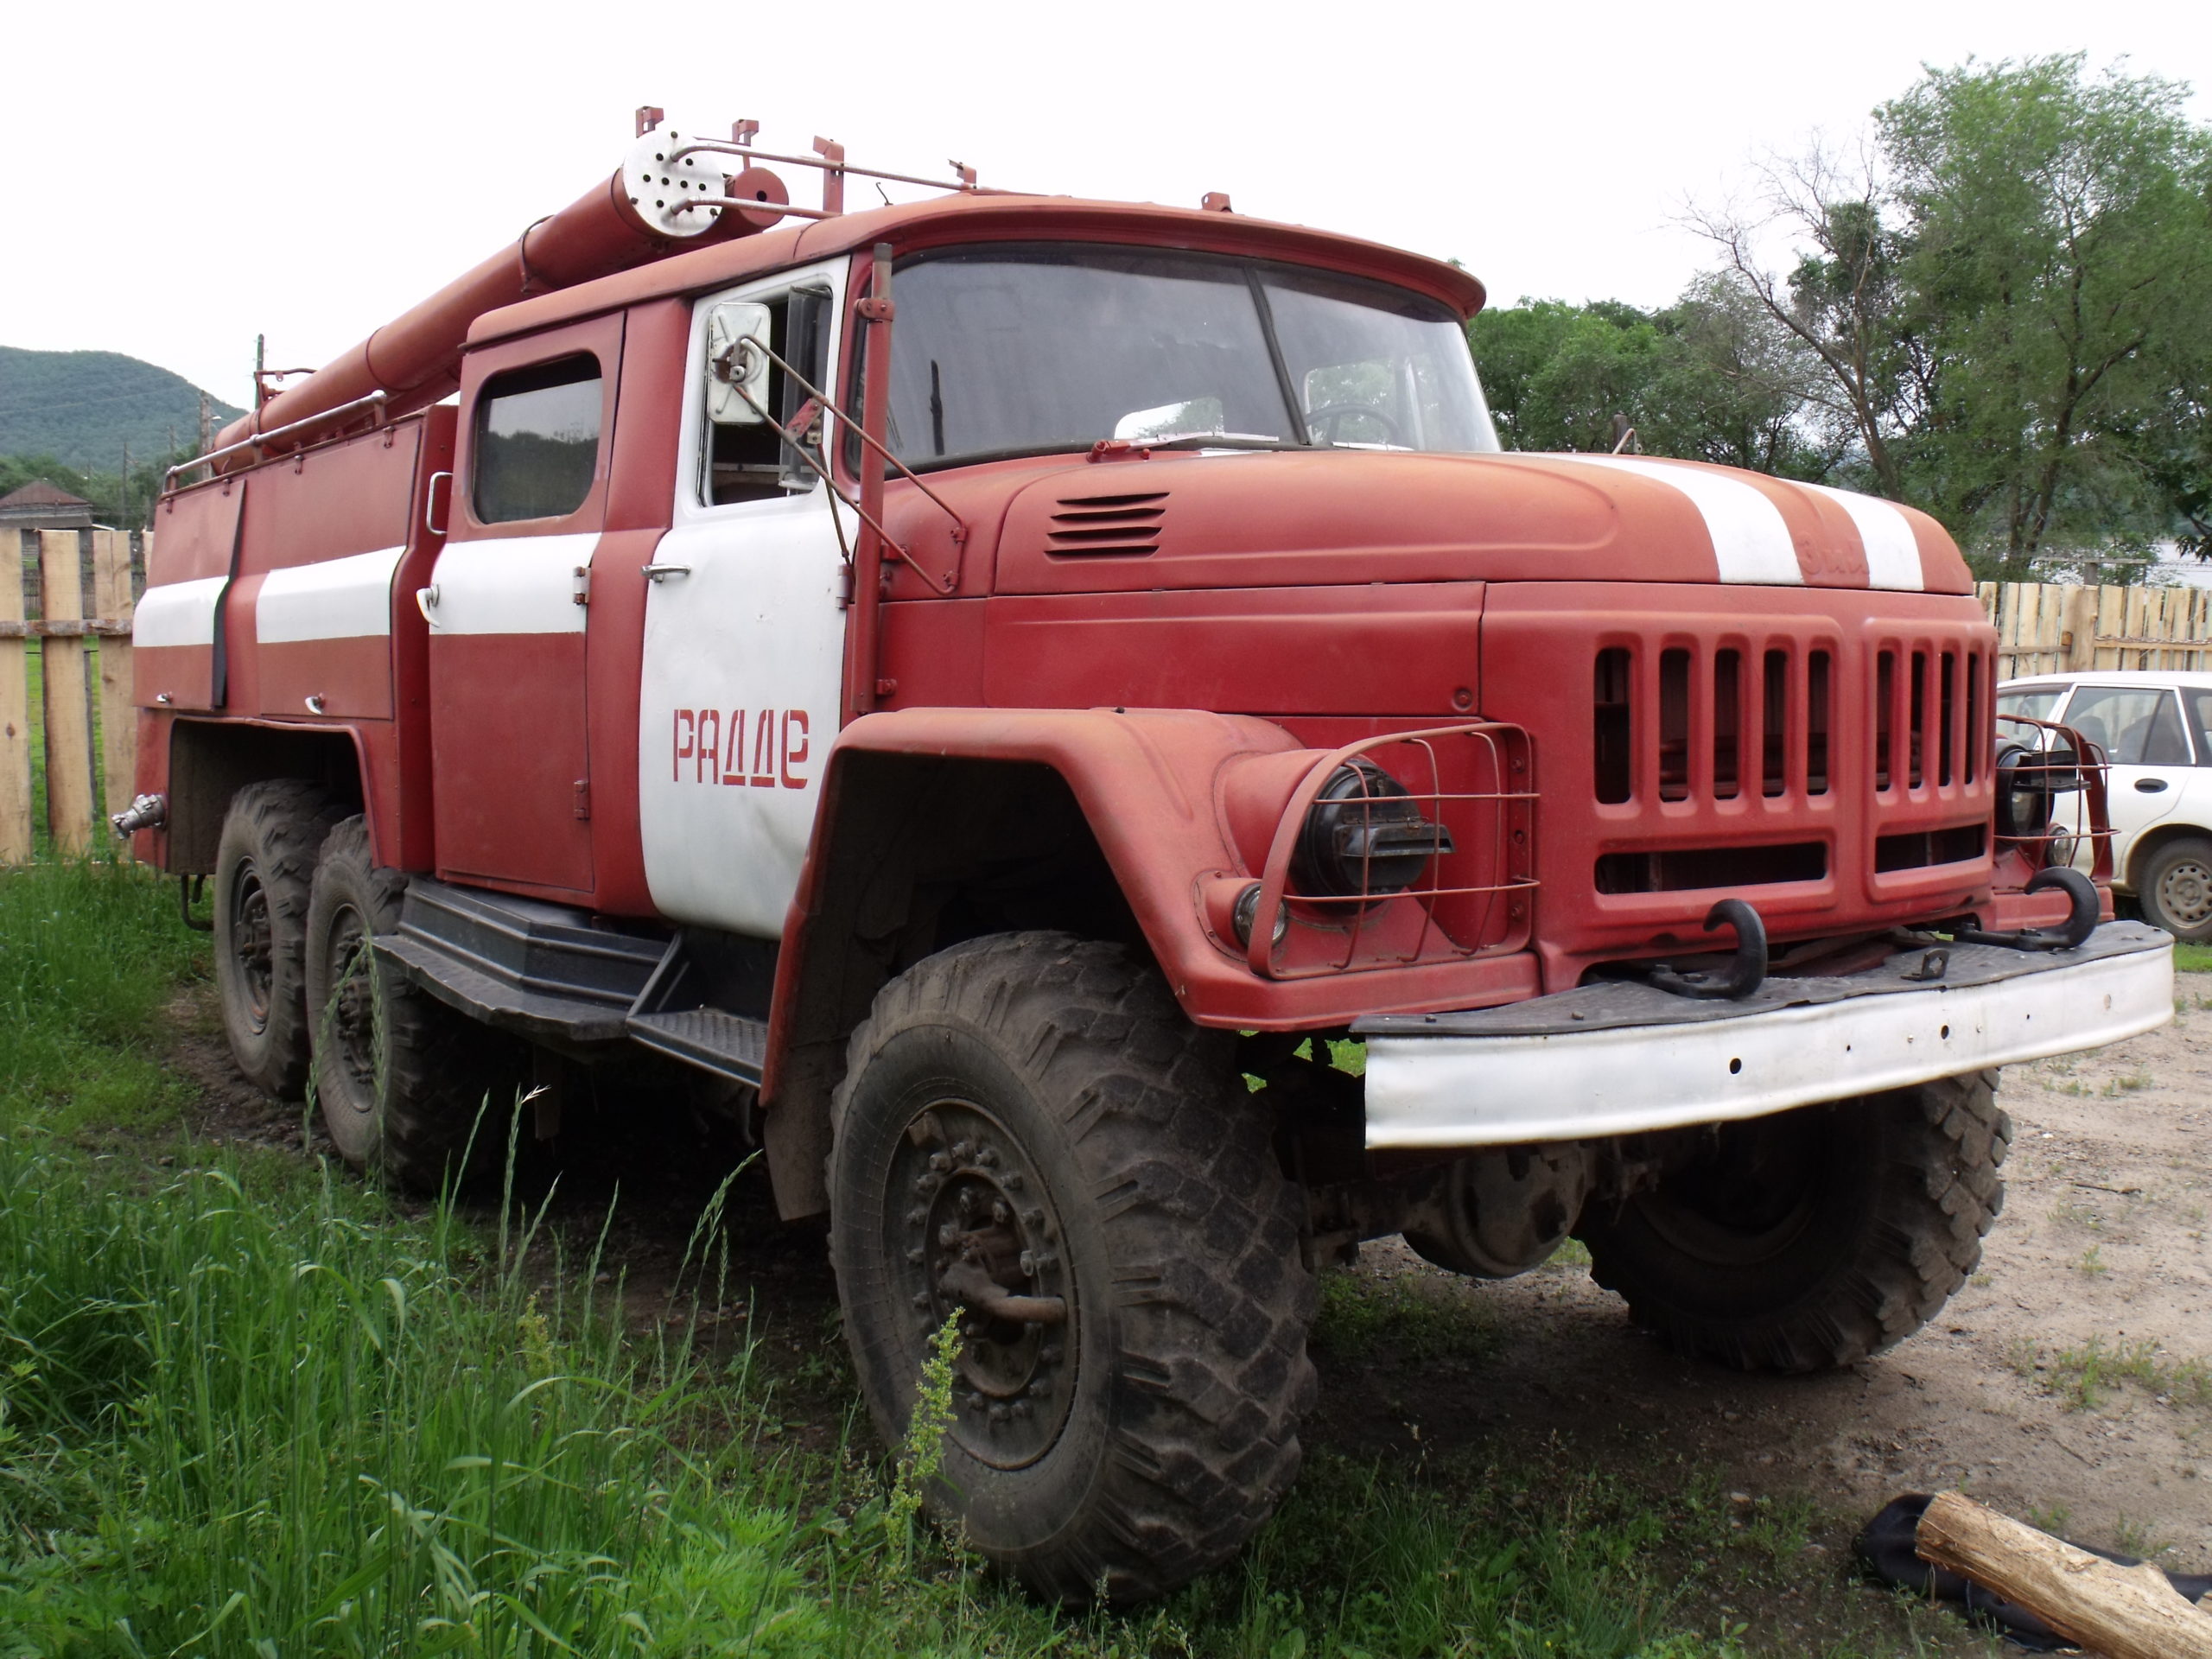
x,y
2136,726
537,441
2199,702
2033,703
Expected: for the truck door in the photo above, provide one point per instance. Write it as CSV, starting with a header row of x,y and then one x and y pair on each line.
x,y
745,633
506,608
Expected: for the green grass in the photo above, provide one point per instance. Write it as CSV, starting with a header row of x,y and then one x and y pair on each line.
x,y
2084,1376
2192,958
249,1406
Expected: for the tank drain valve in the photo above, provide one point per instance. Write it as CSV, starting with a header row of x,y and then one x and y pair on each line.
x,y
147,812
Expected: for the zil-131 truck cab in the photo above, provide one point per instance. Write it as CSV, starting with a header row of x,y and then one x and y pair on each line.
x,y
1063,717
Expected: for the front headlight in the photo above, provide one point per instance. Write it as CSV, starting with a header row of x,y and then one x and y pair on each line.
x,y
1364,837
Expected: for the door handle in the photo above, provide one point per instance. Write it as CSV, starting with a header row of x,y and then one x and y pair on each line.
x,y
426,600
655,572
2149,785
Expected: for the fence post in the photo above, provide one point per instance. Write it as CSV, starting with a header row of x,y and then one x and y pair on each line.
x,y
2079,640
68,696
111,605
16,844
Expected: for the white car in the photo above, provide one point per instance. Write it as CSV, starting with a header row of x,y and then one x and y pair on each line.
x,y
2155,727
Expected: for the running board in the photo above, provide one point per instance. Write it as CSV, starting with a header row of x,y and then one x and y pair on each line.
x,y
547,972
727,1044
557,975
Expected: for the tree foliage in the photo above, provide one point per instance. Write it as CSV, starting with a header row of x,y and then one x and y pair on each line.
x,y
1998,307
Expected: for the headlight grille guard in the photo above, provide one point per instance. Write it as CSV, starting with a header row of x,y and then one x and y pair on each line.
x,y
1475,781
2089,767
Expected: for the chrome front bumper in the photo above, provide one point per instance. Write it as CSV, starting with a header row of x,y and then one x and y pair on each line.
x,y
1622,1059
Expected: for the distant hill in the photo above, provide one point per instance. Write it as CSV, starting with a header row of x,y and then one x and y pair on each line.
x,y
82,407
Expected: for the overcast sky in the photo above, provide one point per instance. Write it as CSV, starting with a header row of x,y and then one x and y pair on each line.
x,y
182,178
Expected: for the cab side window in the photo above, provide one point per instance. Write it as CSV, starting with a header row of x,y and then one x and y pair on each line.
x,y
753,462
537,441
2200,722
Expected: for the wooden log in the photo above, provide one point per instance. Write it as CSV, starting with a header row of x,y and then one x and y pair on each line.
x,y
111,605
15,842
68,696
2123,1612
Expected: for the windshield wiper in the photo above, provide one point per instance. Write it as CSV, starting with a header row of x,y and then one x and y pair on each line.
x,y
1218,440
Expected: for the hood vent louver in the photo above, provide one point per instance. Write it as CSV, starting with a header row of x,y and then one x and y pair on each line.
x,y
1106,526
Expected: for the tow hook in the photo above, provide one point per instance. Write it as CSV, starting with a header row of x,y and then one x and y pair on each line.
x,y
2081,921
1745,970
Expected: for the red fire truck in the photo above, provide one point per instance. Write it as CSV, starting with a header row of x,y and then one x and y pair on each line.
x,y
1061,713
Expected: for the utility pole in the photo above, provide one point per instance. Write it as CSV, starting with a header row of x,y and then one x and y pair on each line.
x,y
125,513
206,422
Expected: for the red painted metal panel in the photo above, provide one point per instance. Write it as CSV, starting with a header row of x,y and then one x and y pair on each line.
x,y
1403,649
640,496
1148,782
1303,518
912,226
401,823
507,741
347,679
324,503
1540,646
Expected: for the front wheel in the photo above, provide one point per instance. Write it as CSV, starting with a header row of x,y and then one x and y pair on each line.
x,y
1812,1238
1030,1135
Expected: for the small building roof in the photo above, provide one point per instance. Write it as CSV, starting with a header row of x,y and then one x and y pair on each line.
x,y
39,493
42,506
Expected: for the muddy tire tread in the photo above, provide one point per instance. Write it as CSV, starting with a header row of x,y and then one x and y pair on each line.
x,y
1938,1192
283,824
1212,1302
438,1065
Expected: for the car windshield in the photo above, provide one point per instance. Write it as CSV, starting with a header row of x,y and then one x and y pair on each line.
x,y
1007,350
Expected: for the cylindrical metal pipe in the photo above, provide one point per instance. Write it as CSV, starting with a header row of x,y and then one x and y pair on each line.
x,y
415,360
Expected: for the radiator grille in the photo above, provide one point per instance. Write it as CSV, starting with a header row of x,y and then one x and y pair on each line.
x,y
1715,724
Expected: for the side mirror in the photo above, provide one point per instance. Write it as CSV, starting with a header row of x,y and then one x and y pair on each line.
x,y
737,363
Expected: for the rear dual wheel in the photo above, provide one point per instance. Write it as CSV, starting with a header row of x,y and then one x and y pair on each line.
x,y
264,867
410,1090
1031,1138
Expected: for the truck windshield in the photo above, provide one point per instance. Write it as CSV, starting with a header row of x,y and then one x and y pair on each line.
x,y
1022,350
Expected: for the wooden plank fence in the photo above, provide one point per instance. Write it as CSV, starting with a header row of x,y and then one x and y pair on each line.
x,y
2051,628
85,760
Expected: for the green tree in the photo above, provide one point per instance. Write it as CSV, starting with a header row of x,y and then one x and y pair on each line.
x,y
2058,252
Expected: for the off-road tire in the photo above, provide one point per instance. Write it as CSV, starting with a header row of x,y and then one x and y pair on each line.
x,y
265,863
1163,1427
2176,889
401,1080
1812,1238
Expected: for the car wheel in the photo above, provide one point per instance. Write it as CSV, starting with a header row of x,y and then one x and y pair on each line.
x,y
2176,889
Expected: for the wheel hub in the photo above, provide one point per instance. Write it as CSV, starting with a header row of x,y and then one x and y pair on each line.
x,y
978,1234
351,1015
2185,893
250,945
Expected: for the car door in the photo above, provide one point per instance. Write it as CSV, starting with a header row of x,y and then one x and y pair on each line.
x,y
2140,728
745,634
